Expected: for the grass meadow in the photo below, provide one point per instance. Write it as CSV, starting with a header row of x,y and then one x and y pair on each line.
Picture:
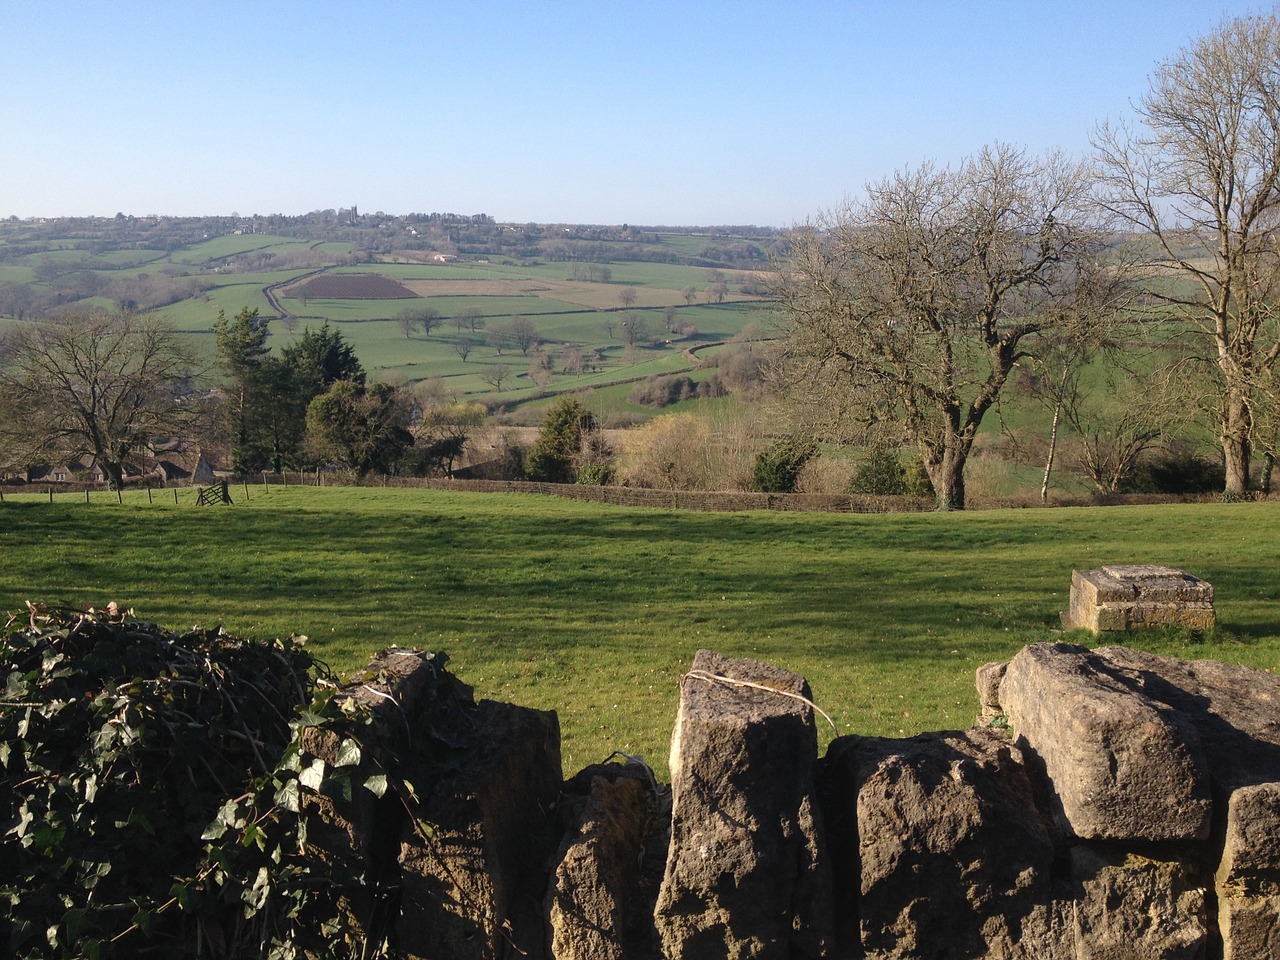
x,y
596,611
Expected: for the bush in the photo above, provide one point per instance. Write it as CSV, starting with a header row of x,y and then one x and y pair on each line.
x,y
915,479
778,467
1179,471
880,474
596,474
684,451
658,391
110,731
115,732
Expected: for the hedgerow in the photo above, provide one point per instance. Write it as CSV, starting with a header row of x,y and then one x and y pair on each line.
x,y
156,792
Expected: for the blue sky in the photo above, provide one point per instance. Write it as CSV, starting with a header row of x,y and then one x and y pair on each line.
x,y
679,113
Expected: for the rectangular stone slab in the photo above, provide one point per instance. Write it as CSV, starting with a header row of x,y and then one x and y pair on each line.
x,y
1135,596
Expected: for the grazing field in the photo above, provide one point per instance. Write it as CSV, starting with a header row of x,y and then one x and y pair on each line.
x,y
597,611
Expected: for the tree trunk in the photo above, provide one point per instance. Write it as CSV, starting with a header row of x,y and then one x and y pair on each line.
x,y
1053,449
1235,444
947,476
115,474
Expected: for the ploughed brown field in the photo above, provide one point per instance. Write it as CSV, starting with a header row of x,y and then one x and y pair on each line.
x,y
352,286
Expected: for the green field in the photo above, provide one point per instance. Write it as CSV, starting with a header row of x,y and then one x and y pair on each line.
x,y
230,270
597,611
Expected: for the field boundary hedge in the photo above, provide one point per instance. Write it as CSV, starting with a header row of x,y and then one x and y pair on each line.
x,y
700,500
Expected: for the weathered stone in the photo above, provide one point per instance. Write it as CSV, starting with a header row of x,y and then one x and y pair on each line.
x,y
1136,596
989,678
1234,710
359,835
1120,765
596,906
1133,907
743,877
938,849
1248,879
491,830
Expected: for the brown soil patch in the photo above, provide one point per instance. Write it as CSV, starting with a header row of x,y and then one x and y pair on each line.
x,y
478,288
351,286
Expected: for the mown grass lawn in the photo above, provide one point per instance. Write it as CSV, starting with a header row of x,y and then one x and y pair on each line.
x,y
597,611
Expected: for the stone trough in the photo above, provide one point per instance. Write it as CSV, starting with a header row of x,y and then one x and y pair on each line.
x,y
1136,596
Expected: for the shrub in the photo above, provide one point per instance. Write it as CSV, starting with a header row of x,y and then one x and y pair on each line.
x,y
684,451
659,391
1177,471
112,731
915,478
596,474
778,467
880,473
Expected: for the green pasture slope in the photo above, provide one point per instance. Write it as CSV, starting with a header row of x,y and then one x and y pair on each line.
x,y
597,611
563,309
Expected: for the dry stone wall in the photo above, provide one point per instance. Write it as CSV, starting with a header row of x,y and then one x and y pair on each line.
x,y
1111,804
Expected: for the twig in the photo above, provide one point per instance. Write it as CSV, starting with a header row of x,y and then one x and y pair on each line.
x,y
729,681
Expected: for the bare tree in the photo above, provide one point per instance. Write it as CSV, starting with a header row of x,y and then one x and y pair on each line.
x,y
97,385
406,323
411,318
690,293
911,309
496,375
1200,182
462,346
571,359
524,333
498,337
471,318
542,367
634,328
627,296
1115,421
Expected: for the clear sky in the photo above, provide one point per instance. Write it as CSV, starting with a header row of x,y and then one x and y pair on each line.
x,y
690,112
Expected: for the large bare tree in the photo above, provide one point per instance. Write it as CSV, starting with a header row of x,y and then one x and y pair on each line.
x,y
98,385
909,310
1199,180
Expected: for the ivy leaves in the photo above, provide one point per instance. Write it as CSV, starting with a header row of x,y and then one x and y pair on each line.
x,y
158,789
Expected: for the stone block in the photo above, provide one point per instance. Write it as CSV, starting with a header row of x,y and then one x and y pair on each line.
x,y
989,677
597,907
1129,906
1120,765
1136,596
1248,879
939,849
743,876
490,830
